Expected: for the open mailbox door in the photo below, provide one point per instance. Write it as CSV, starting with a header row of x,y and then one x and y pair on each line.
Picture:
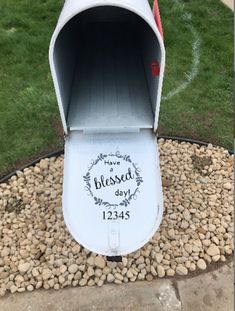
x,y
107,61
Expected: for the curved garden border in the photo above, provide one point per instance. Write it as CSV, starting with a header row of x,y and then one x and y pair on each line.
x,y
61,151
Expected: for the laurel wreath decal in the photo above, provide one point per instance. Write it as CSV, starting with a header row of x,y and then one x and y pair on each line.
x,y
138,179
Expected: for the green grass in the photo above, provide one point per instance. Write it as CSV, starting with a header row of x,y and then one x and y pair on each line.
x,y
28,108
27,102
203,110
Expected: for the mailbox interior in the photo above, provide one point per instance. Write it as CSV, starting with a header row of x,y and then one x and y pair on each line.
x,y
102,58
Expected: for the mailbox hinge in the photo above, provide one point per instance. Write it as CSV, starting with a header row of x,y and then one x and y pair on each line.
x,y
111,130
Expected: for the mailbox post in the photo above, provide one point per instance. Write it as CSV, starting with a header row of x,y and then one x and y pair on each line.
x,y
107,60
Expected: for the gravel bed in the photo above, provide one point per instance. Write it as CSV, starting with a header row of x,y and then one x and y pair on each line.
x,y
37,251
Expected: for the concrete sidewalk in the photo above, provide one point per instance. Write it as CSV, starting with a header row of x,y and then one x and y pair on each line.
x,y
212,291
229,3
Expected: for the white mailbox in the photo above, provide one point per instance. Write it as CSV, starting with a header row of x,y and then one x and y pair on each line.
x,y
107,60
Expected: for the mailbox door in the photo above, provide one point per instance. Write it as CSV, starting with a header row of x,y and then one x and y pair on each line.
x,y
112,198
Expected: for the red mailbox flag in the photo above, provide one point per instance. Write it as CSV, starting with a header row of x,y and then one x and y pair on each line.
x,y
157,17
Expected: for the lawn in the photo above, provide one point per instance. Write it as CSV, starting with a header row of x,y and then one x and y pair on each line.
x,y
198,86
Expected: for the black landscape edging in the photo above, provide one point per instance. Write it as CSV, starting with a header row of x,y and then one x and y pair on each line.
x,y
61,151
32,163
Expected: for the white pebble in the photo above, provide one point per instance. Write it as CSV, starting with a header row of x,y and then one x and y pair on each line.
x,y
201,264
181,270
73,268
110,278
213,250
99,262
23,268
160,271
